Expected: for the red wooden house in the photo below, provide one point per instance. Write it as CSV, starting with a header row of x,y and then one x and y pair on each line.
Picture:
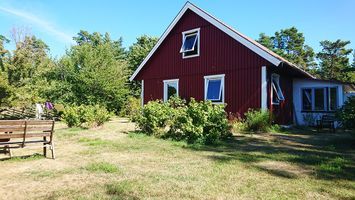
x,y
199,56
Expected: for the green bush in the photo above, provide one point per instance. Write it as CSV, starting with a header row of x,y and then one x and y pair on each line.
x,y
257,120
154,117
71,116
195,122
131,108
58,110
85,116
347,114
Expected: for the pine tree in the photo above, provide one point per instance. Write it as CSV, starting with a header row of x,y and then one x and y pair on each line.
x,y
334,60
290,44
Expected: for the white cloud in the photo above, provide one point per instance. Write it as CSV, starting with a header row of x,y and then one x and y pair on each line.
x,y
41,23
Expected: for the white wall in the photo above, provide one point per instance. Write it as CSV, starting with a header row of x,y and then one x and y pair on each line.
x,y
298,84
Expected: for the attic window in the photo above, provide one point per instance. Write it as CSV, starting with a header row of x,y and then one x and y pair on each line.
x,y
276,92
190,43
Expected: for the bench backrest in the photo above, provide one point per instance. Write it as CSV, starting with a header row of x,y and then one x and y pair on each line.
x,y
25,129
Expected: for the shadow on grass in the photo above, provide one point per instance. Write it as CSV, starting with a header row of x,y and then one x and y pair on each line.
x,y
35,156
330,156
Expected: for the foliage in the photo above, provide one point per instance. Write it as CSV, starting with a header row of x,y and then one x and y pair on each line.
x,y
58,110
5,90
132,108
85,116
71,116
136,54
334,60
154,117
347,113
195,122
257,120
290,44
94,71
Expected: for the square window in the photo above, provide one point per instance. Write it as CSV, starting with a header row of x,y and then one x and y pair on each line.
x,y
214,88
190,43
171,88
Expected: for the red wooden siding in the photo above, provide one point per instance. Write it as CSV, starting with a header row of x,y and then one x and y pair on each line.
x,y
283,113
219,54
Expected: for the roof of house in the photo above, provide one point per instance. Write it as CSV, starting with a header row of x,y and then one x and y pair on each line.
x,y
259,49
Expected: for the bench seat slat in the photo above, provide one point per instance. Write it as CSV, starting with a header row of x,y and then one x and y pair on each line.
x,y
22,129
18,135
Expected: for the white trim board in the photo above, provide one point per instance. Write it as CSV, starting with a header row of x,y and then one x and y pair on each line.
x,y
229,31
263,88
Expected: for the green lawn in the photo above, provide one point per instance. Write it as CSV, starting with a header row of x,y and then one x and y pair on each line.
x,y
113,162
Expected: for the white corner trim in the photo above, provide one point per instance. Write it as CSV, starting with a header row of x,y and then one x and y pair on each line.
x,y
209,77
263,88
142,93
165,95
275,61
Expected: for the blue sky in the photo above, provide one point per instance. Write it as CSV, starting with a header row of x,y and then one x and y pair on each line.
x,y
56,22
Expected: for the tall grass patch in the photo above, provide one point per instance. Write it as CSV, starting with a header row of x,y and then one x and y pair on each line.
x,y
103,167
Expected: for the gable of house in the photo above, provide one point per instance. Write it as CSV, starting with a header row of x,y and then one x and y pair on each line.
x,y
242,39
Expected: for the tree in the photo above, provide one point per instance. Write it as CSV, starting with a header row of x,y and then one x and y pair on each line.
x,y
136,54
29,59
93,72
3,51
290,44
334,60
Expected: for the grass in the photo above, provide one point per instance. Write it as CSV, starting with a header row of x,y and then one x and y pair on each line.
x,y
104,167
115,162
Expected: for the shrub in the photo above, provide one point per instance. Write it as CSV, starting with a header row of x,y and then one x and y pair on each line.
x,y
347,113
132,108
71,116
257,120
85,116
58,110
195,122
154,117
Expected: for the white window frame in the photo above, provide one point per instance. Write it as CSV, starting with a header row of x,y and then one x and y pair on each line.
x,y
277,89
215,77
197,30
326,99
165,88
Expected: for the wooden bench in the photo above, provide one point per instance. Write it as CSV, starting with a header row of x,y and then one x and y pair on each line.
x,y
326,121
22,133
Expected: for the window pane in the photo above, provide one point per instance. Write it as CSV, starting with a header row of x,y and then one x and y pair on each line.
x,y
319,99
214,90
194,52
172,89
189,43
333,98
277,92
307,99
275,98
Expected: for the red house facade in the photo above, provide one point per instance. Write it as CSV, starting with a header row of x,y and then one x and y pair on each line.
x,y
199,56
